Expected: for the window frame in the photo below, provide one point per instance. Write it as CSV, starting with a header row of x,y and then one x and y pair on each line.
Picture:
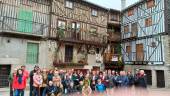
x,y
94,10
69,2
60,27
38,49
126,28
148,22
131,12
150,3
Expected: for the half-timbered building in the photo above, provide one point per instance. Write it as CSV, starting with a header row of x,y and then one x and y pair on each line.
x,y
112,57
80,28
145,40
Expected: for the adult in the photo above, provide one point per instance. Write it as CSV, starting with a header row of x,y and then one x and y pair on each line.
x,y
142,83
122,80
10,78
31,78
37,83
19,80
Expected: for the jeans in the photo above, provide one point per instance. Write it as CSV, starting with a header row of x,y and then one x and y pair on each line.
x,y
19,92
36,91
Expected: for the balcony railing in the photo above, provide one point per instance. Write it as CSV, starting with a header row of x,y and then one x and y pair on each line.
x,y
19,26
135,58
79,36
67,64
128,35
113,36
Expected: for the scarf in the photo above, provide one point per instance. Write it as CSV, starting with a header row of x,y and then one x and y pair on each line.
x,y
20,79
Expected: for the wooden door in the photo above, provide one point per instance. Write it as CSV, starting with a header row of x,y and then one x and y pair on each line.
x,y
160,78
129,51
139,52
4,74
68,53
148,76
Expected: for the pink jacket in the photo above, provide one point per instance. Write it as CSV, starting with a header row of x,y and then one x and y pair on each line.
x,y
17,85
37,80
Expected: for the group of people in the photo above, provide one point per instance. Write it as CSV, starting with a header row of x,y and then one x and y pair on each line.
x,y
54,82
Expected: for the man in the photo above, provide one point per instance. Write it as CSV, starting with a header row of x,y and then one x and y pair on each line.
x,y
31,78
122,79
26,75
142,83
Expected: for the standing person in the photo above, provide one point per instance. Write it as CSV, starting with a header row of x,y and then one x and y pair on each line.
x,y
50,75
100,87
142,83
10,78
59,87
110,79
45,82
31,78
131,78
26,74
37,82
19,83
136,76
86,90
122,79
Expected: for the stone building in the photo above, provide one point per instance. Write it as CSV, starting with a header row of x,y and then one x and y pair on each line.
x,y
52,33
145,40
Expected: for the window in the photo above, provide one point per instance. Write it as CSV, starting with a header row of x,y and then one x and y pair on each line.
x,y
130,12
68,53
75,26
148,22
69,4
126,28
114,17
134,29
32,53
150,3
94,12
61,24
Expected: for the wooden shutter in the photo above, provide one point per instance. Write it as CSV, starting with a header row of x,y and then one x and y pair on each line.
x,y
139,52
32,53
150,3
25,18
129,51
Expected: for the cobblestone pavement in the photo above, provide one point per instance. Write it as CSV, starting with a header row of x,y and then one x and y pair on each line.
x,y
116,92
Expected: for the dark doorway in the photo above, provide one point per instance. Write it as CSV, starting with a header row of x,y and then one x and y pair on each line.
x,y
160,78
68,53
96,68
149,76
4,74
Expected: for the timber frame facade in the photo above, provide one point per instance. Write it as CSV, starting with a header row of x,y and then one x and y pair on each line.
x,y
145,39
60,33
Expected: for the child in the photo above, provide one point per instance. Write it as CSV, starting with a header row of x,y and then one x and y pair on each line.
x,y
100,87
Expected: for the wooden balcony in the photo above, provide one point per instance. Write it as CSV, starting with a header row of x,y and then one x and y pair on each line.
x,y
72,36
129,36
69,64
22,28
114,36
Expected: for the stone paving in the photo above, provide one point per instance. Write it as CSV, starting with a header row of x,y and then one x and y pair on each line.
x,y
115,92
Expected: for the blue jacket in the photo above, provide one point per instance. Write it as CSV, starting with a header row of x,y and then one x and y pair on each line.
x,y
100,87
122,81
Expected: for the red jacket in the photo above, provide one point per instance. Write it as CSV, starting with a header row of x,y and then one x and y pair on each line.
x,y
17,85
26,75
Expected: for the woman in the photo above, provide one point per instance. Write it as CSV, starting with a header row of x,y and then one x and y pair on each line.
x,y
11,80
59,87
86,90
50,75
37,82
44,83
19,83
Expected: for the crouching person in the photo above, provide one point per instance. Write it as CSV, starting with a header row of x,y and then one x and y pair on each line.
x,y
50,90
